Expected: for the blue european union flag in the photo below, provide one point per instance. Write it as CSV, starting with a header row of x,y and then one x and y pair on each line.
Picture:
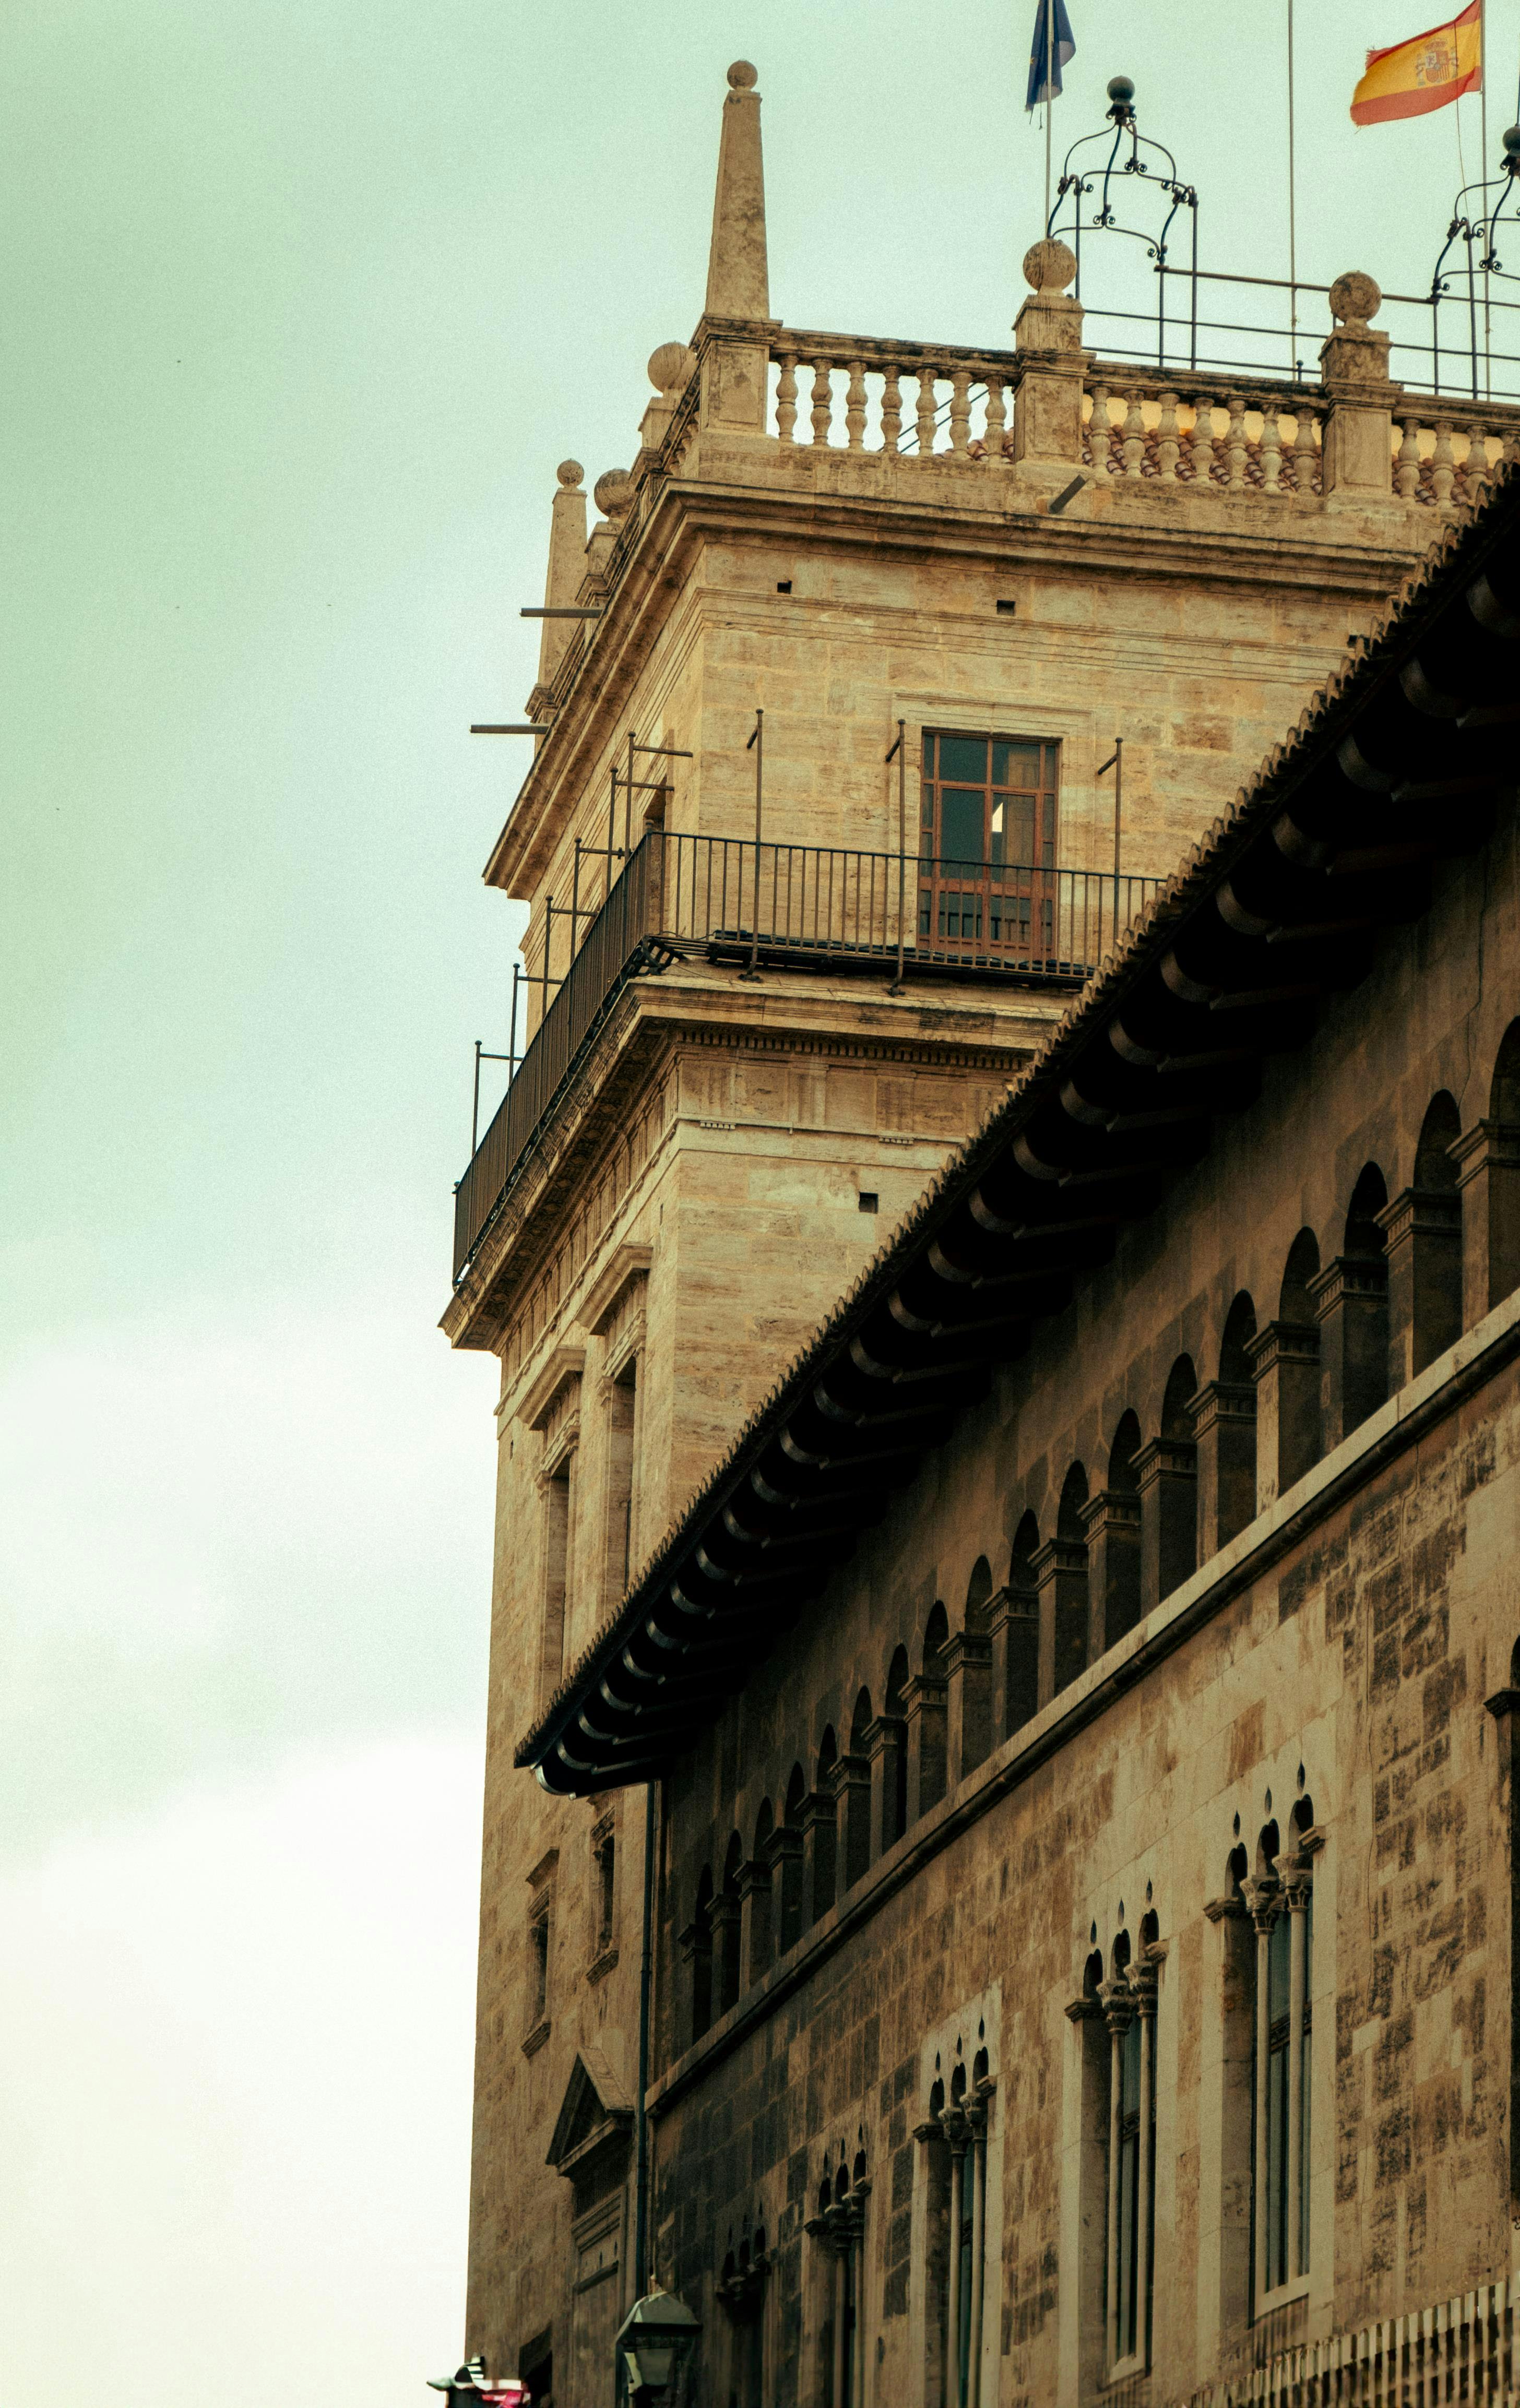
x,y
1054,43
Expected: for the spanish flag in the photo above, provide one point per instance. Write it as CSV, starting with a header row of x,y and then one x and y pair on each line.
x,y
1423,74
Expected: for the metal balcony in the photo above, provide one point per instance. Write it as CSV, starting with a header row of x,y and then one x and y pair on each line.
x,y
728,900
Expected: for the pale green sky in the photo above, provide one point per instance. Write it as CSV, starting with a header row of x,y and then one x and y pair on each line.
x,y
302,304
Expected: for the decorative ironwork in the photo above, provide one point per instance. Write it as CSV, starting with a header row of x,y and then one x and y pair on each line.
x,y
1147,163
1469,258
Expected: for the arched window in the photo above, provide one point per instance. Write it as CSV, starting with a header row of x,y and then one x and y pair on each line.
x,y
855,1800
726,1917
1114,1539
1169,1491
928,1723
1128,2000
1224,1430
1285,1359
1489,1168
1425,1250
788,1844
1350,1295
895,1762
1062,1569
973,1671
1020,1675
758,1931
698,1940
1279,1896
821,1830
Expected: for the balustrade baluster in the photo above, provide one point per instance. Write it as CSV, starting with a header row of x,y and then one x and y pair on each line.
x,y
1134,439
1303,451
786,399
1203,441
960,410
823,400
1407,466
1168,445
854,406
996,418
1272,449
925,411
1442,463
891,409
1475,466
1235,450
1099,431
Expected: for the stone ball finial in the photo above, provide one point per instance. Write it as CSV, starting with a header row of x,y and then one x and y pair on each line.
x,y
1354,299
670,366
569,473
1049,265
1122,89
1512,142
742,76
613,493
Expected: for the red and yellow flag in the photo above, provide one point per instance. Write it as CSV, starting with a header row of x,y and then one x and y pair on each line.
x,y
1423,73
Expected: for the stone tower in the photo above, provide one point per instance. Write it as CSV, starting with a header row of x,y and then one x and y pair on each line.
x,y
818,840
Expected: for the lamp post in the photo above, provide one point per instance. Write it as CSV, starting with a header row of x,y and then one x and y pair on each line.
x,y
655,2345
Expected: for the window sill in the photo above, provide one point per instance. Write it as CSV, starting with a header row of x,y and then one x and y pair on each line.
x,y
1126,2370
1283,2297
1476,1357
537,2038
602,1966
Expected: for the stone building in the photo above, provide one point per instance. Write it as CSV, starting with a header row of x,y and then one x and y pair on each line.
x,y
1061,1687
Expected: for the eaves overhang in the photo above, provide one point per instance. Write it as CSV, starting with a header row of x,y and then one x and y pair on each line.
x,y
1399,762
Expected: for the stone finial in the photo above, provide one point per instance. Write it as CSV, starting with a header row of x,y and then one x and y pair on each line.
x,y
739,282
566,568
670,368
1354,299
1049,266
612,493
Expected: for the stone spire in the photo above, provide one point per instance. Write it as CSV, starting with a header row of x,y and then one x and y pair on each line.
x,y
739,285
562,582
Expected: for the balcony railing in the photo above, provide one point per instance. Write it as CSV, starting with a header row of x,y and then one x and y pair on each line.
x,y
803,907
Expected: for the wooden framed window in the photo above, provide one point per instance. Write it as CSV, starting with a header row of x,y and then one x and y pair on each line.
x,y
987,828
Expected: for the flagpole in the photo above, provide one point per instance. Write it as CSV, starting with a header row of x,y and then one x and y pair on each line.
x,y
1050,51
1488,245
1292,223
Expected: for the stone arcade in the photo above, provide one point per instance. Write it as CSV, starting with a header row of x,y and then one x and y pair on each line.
x,y
1081,1937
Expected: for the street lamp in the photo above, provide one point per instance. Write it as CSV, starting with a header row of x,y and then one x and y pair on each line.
x,y
472,2383
655,2346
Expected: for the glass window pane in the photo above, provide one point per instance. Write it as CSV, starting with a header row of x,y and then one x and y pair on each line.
x,y
1279,1962
1015,765
962,756
1019,811
961,816
928,756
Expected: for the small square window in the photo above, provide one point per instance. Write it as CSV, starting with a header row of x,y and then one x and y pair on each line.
x,y
784,585
1005,609
867,1200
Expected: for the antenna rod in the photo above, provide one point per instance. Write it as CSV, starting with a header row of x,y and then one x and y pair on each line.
x,y
900,749
1293,224
1050,51
758,746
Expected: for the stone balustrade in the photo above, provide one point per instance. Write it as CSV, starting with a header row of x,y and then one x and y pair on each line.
x,y
865,395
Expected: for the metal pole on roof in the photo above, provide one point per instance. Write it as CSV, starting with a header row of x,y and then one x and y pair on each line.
x,y
641,2110
758,746
1117,763
901,750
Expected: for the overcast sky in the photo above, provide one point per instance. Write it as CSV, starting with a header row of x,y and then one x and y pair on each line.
x,y
302,304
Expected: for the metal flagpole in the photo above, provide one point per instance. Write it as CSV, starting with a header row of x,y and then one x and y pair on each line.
x,y
758,746
1050,51
1292,223
1482,137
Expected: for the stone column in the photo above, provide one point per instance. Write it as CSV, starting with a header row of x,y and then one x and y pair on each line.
x,y
1166,1470
1118,2006
1261,1901
1051,363
958,2132
819,1853
1357,462
1294,1873
1504,1832
926,1718
1225,1433
756,1947
1013,1631
1351,1304
1060,1571
886,1744
1112,1520
967,1662
1424,1232
1142,1981
1487,1160
852,1784
1284,1366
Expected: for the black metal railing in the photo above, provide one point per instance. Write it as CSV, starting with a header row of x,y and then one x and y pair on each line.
x,y
729,899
